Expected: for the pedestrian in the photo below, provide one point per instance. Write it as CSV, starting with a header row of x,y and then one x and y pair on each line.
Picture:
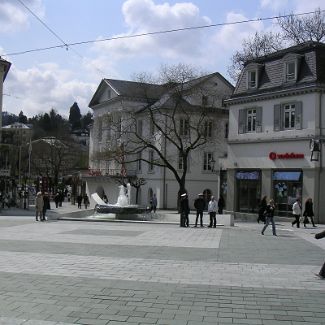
x,y
39,203
212,210
185,210
153,203
46,205
57,199
321,273
296,211
309,212
261,209
79,201
269,217
86,201
199,205
221,204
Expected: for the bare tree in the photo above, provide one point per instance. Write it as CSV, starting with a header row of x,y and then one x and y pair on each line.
x,y
172,128
298,29
293,30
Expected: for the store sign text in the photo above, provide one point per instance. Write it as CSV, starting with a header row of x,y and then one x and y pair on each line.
x,y
287,155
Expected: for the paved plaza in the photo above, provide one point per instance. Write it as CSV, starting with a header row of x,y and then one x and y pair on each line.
x,y
96,273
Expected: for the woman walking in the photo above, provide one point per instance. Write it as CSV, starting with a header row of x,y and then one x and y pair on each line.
x,y
309,212
269,212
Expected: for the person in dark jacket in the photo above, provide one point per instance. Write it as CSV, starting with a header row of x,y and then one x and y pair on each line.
x,y
321,273
46,205
309,212
79,201
261,209
221,204
269,212
185,210
199,205
86,201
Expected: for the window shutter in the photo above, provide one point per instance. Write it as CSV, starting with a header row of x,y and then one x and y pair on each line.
x,y
258,119
277,118
298,113
242,121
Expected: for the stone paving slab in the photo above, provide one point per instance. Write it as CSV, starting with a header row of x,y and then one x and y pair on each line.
x,y
89,273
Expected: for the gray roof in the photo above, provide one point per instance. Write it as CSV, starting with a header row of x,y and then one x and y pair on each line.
x,y
136,89
271,76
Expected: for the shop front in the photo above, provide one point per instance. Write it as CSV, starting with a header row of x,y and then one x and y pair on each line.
x,y
286,187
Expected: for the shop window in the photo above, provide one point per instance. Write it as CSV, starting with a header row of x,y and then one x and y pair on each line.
x,y
287,186
250,120
288,116
248,188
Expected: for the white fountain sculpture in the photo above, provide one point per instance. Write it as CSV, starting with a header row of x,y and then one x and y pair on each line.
x,y
122,200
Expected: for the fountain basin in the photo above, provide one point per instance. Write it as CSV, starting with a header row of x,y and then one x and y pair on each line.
x,y
130,209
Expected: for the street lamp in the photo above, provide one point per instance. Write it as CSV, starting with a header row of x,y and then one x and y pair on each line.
x,y
315,149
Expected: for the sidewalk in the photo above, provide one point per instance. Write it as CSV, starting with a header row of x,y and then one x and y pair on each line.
x,y
140,273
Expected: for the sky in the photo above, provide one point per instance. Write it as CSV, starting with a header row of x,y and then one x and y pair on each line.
x,y
41,80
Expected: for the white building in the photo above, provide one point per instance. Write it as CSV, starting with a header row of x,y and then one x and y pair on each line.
x,y
116,102
277,108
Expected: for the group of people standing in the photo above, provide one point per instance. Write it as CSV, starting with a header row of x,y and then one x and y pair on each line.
x,y
42,204
214,207
85,200
266,213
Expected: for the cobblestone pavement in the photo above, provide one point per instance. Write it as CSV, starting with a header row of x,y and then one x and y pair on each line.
x,y
64,272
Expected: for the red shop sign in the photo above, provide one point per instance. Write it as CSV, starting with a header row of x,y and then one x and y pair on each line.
x,y
287,155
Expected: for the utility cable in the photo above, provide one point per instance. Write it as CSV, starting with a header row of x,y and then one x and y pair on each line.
x,y
69,45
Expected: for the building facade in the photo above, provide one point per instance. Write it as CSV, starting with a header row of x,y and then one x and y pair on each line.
x,y
115,101
276,111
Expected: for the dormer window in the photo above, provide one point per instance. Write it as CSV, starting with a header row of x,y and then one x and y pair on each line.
x,y
291,66
252,79
291,71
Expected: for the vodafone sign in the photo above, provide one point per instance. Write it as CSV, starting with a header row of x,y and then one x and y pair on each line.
x,y
287,155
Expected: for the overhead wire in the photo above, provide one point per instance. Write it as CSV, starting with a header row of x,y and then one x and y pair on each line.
x,y
174,30
64,44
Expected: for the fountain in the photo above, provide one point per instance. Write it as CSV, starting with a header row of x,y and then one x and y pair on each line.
x,y
122,208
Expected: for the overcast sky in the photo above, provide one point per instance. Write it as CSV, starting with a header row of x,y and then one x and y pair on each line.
x,y
39,81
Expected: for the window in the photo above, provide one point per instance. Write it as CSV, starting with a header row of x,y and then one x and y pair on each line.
x,y
139,161
250,120
152,128
151,160
183,127
252,79
207,161
290,71
109,93
207,129
139,127
226,130
288,116
100,129
204,100
180,161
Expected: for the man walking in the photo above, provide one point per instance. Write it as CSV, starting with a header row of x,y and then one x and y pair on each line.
x,y
296,211
199,205
185,210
